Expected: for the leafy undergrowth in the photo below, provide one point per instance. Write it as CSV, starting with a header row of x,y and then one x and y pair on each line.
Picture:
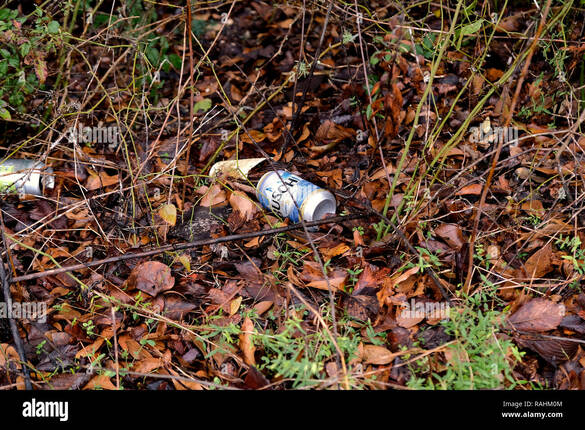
x,y
400,109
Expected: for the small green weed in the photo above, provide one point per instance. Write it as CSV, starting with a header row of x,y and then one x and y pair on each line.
x,y
23,48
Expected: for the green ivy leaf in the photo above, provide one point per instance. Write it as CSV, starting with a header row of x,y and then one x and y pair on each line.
x,y
369,112
25,49
203,105
175,60
5,114
153,56
53,27
4,14
471,28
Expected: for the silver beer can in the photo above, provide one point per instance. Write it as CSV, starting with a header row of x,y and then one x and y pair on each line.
x,y
314,202
25,177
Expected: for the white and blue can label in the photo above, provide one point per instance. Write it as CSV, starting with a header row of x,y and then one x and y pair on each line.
x,y
20,176
279,194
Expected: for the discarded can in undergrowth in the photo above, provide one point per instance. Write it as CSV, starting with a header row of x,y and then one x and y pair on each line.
x,y
25,177
277,194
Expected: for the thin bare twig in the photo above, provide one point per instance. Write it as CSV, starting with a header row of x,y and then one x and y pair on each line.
x,y
182,246
115,347
191,98
296,115
13,328
508,119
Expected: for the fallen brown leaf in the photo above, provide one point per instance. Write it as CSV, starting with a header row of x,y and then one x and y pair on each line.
x,y
539,263
132,347
91,349
263,306
95,182
211,196
246,342
329,253
252,136
389,284
452,234
100,382
176,307
244,205
408,319
328,131
8,354
183,385
312,274
148,365
533,207
555,351
168,213
538,315
470,190
151,277
375,354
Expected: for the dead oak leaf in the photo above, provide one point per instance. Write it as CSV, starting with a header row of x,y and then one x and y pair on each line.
x,y
313,274
176,307
452,234
252,136
407,319
470,190
328,131
102,180
100,382
8,354
91,349
211,196
244,205
375,354
538,315
168,213
533,207
151,277
389,284
540,263
246,342
148,365
329,253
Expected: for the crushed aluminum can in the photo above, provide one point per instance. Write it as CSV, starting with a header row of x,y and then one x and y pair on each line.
x,y
314,202
22,176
